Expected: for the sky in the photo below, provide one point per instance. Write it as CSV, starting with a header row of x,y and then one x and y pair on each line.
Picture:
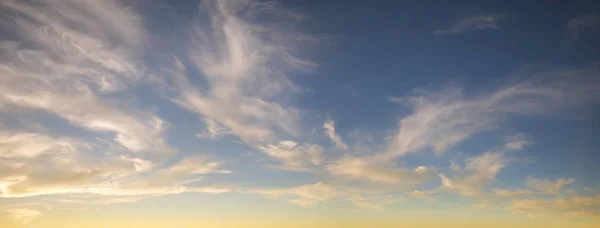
x,y
299,113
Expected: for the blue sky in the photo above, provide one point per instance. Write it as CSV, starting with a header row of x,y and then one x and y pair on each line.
x,y
299,108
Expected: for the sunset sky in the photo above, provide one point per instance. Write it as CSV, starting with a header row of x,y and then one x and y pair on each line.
x,y
299,113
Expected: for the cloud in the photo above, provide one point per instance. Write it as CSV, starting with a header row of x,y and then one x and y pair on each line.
x,y
516,142
83,62
304,195
380,171
587,206
366,204
442,119
244,64
544,197
480,206
479,171
168,180
329,127
311,194
426,195
23,216
71,55
104,201
57,166
548,186
294,156
90,113
31,145
472,23
33,164
582,25
513,193
213,130
132,196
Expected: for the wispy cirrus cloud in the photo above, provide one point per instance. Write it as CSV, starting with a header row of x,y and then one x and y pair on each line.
x,y
69,168
479,171
472,23
78,61
71,55
548,186
581,206
445,118
329,127
244,63
378,170
294,156
442,119
513,193
304,195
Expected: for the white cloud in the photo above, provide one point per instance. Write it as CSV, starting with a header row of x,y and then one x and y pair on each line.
x,y
442,119
162,181
213,130
89,112
516,142
329,127
31,145
366,204
378,170
294,156
304,195
310,194
548,186
478,172
587,206
473,23
52,166
426,195
514,193
71,54
82,61
243,63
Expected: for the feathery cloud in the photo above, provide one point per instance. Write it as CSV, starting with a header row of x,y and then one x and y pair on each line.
x,y
295,157
381,171
304,195
329,127
442,119
548,186
587,206
243,62
70,55
479,171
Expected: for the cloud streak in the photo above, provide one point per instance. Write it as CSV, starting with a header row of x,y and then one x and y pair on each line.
x,y
80,61
243,63
329,127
